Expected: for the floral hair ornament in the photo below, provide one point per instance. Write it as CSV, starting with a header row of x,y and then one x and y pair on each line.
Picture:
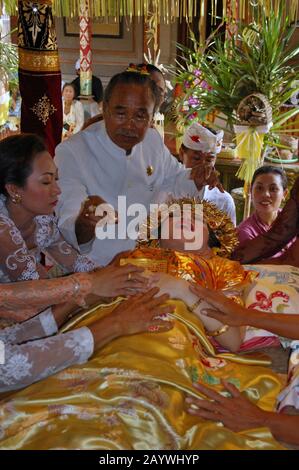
x,y
133,68
217,220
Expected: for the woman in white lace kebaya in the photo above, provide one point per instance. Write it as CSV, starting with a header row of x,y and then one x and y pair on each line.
x,y
29,192
28,195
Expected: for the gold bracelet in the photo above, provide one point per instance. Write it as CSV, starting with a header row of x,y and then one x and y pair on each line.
x,y
218,332
195,305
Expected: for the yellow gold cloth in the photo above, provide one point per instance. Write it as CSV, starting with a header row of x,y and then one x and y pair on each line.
x,y
214,273
131,394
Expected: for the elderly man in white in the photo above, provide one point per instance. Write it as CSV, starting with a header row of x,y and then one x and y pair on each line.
x,y
120,156
200,146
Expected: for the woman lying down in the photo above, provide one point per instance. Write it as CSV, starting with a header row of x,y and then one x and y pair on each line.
x,y
131,393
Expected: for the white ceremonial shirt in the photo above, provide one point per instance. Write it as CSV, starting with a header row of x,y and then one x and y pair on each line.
x,y
89,163
223,201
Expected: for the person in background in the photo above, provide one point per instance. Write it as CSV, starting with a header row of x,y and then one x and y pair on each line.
x,y
268,190
158,77
73,112
200,146
97,86
283,230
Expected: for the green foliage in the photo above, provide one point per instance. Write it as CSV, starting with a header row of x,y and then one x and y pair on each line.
x,y
219,75
9,62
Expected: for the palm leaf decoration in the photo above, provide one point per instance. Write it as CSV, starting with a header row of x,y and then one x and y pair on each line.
x,y
9,60
219,75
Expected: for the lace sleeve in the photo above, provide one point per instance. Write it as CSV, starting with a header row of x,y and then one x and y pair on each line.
x,y
40,326
15,260
36,360
51,241
20,301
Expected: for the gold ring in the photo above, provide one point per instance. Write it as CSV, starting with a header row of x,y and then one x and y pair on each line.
x,y
129,276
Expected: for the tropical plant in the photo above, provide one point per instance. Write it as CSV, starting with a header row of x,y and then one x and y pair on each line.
x,y
217,76
8,61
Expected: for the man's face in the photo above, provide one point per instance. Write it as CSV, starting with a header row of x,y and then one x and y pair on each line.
x,y
192,158
128,114
158,78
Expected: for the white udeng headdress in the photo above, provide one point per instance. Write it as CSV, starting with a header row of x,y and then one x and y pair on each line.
x,y
197,137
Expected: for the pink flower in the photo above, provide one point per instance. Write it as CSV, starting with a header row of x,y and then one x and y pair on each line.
x,y
192,116
205,85
193,101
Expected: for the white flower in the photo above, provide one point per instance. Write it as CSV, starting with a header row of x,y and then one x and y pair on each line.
x,y
16,368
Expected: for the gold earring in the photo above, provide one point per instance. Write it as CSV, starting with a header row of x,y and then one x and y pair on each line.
x,y
16,198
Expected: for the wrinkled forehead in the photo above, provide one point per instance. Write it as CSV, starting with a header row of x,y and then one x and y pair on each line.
x,y
132,96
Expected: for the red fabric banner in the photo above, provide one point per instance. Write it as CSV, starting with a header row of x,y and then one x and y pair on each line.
x,y
39,72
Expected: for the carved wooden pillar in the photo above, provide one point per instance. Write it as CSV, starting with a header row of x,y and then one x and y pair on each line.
x,y
39,72
85,49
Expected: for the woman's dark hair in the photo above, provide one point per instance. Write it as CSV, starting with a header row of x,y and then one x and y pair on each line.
x,y
132,78
17,154
268,169
72,86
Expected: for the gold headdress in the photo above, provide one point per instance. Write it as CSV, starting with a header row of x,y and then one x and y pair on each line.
x,y
136,69
217,220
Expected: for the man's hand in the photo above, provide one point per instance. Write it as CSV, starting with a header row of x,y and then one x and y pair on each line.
x,y
222,308
112,281
86,221
139,314
205,174
236,412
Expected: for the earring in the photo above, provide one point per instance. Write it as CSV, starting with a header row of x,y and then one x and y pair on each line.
x,y
16,198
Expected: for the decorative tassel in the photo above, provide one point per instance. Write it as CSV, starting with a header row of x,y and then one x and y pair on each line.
x,y
168,9
249,148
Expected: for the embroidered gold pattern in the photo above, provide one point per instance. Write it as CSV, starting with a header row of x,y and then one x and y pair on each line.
x,y
43,109
38,61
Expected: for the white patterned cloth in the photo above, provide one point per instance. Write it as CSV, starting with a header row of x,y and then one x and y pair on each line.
x,y
30,355
199,138
17,263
